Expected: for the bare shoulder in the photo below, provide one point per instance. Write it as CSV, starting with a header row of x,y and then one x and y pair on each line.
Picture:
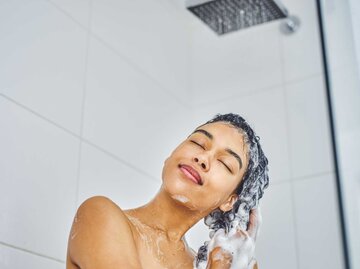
x,y
101,237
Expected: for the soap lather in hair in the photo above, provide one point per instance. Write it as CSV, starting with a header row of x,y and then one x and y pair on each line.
x,y
249,190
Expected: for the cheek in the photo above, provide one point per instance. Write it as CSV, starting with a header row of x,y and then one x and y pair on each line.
x,y
223,185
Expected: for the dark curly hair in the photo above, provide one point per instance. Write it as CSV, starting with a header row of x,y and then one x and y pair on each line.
x,y
249,190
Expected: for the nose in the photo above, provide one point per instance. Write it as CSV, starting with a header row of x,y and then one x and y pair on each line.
x,y
202,162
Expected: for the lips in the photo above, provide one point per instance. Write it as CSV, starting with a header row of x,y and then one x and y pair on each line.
x,y
191,173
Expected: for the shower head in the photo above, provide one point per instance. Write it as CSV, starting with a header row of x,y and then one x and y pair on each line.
x,y
224,16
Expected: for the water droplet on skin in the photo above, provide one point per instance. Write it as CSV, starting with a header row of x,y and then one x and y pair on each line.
x,y
73,235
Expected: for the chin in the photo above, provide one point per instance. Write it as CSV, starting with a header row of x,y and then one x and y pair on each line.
x,y
175,185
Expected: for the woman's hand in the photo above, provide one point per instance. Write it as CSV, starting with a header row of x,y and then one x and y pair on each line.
x,y
219,259
236,249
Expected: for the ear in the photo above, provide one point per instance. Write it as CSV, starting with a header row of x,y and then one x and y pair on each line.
x,y
229,203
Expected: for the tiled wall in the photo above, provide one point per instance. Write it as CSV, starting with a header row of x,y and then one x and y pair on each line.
x,y
343,54
94,94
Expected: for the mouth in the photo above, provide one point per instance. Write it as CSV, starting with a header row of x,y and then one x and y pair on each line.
x,y
191,173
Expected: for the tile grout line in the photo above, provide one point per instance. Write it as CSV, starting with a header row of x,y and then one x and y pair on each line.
x,y
249,93
288,133
31,252
259,90
64,12
83,103
113,156
39,115
302,178
307,177
291,182
108,153
190,69
302,78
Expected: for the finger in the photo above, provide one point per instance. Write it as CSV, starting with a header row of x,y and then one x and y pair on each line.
x,y
254,222
253,264
241,233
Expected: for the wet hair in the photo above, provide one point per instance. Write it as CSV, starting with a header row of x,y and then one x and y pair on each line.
x,y
250,188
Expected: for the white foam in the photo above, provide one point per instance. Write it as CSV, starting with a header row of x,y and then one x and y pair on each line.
x,y
238,244
180,198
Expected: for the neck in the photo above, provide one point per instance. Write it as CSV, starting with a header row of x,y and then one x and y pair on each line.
x,y
168,215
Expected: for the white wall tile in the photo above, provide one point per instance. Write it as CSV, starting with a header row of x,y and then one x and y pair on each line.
x,y
127,114
42,65
148,34
235,63
38,167
345,96
310,141
265,113
276,245
318,224
77,9
101,174
338,34
11,258
301,50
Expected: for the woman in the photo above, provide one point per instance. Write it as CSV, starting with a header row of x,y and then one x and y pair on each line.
x,y
219,172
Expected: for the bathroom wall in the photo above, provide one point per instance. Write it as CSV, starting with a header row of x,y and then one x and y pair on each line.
x,y
342,29
94,94
83,112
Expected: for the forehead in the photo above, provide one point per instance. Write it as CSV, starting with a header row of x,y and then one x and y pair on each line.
x,y
226,135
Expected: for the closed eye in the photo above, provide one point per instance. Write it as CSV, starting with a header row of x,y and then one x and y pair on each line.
x,y
227,167
196,143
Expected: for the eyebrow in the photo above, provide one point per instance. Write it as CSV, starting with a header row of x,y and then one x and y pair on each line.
x,y
209,135
204,132
236,156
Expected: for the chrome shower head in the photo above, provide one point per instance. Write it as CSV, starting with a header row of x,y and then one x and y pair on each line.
x,y
224,16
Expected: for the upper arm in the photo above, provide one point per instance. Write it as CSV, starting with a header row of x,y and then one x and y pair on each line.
x,y
101,237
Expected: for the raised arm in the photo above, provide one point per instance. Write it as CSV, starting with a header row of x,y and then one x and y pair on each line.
x,y
101,237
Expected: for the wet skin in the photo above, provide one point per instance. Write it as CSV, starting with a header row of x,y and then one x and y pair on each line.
x,y
104,236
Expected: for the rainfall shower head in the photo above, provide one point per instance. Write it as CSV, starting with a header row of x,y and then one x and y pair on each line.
x,y
224,16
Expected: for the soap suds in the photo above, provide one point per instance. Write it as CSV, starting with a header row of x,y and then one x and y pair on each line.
x,y
237,243
152,242
180,198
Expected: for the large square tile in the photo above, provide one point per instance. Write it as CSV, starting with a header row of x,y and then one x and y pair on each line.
x,y
38,178
302,50
11,258
318,223
265,113
101,174
310,137
276,245
150,35
233,64
127,114
42,65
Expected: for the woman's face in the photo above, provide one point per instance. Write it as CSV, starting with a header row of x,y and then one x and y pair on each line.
x,y
204,170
